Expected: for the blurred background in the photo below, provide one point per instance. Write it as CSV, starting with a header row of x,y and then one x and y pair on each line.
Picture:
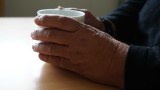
x,y
28,8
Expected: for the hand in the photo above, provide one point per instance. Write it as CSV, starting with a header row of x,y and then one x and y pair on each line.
x,y
80,48
90,19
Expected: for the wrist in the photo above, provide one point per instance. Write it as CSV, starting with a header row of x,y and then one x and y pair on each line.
x,y
119,62
116,55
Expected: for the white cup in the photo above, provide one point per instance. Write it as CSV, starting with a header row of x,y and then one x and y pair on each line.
x,y
78,15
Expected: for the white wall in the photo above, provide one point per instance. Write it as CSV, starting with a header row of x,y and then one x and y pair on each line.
x,y
29,7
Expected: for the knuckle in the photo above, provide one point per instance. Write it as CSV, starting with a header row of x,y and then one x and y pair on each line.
x,y
42,57
63,20
52,49
36,48
49,49
48,34
33,35
43,48
37,34
40,47
83,27
43,18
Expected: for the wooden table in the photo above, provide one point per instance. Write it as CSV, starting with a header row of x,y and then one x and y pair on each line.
x,y
20,68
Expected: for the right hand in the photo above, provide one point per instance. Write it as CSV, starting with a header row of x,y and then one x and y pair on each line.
x,y
81,48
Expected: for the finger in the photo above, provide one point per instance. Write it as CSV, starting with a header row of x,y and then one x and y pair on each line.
x,y
57,61
51,49
87,14
82,10
52,35
71,8
60,7
60,22
77,9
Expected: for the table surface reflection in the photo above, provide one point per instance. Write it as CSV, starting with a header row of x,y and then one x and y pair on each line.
x,y
21,69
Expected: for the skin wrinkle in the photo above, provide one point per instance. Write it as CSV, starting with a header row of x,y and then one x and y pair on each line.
x,y
36,32
40,19
89,14
48,34
112,64
63,62
114,52
89,49
33,36
43,58
62,21
82,27
61,51
51,33
109,46
50,50
76,34
58,60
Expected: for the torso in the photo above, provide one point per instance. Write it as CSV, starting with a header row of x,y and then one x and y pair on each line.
x,y
149,22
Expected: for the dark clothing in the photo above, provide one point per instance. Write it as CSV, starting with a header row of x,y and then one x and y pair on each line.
x,y
138,24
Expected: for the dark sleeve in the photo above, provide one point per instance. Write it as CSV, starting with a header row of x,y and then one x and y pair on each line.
x,y
125,18
143,68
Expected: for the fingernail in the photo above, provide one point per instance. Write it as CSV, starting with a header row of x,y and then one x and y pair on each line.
x,y
32,35
39,19
34,47
43,58
36,19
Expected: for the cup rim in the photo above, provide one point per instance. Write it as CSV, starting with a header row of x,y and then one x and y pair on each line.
x,y
75,11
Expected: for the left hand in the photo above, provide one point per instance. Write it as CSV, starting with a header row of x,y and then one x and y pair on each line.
x,y
80,48
90,19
